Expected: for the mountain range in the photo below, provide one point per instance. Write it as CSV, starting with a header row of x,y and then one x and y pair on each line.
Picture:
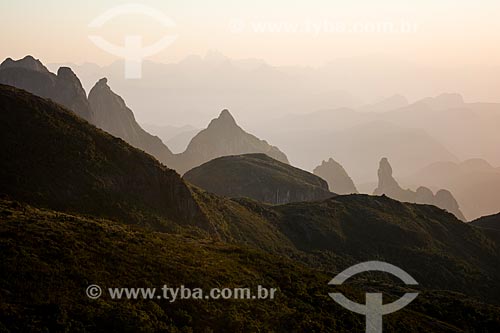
x,y
475,183
64,88
72,192
108,111
341,132
465,129
388,185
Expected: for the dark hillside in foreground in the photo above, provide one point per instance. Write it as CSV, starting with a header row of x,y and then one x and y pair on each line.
x,y
489,222
49,258
51,157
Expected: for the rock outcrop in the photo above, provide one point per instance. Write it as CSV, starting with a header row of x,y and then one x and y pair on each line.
x,y
338,180
223,137
64,88
388,185
113,116
259,177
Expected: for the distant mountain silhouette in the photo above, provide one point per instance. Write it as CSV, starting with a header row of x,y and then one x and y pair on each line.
x,y
113,116
388,185
466,129
390,103
175,137
443,101
223,137
359,147
475,183
108,111
336,176
489,222
259,177
179,142
64,88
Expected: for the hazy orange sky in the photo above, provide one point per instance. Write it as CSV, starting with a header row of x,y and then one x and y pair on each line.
x,y
444,33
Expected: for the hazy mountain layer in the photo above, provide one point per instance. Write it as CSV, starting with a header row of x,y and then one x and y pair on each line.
x,y
175,137
360,147
336,176
223,137
388,185
475,183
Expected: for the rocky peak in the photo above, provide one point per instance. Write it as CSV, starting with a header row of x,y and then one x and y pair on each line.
x,y
424,195
113,116
70,93
444,199
64,88
66,73
27,62
102,83
223,137
385,178
225,120
389,186
338,180
102,93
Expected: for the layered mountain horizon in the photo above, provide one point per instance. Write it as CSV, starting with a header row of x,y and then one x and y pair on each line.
x,y
107,110
224,136
238,167
65,88
82,192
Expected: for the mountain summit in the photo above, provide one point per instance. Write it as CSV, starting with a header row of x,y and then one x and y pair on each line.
x,y
225,119
389,186
113,116
64,88
223,137
336,176
27,62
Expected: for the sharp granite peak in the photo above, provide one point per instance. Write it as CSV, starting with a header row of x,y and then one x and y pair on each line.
x,y
64,88
223,137
336,176
225,119
108,111
113,116
28,62
389,186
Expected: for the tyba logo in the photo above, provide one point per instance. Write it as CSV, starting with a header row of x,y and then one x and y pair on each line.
x,y
373,308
